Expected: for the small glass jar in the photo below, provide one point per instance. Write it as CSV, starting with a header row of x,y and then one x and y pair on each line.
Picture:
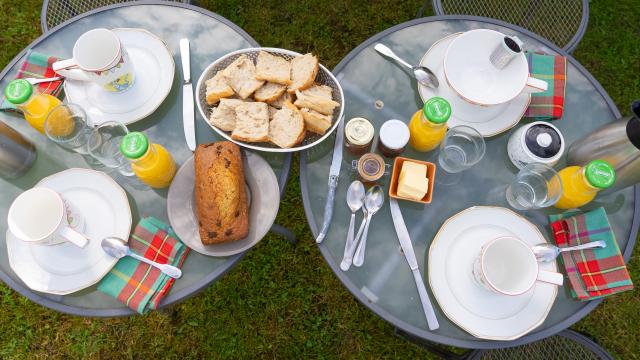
x,y
371,168
393,138
358,134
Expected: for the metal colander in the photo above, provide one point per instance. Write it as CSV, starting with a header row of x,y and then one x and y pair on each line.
x,y
324,77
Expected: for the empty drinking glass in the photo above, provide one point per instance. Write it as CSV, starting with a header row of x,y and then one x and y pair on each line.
x,y
66,125
104,145
535,186
461,148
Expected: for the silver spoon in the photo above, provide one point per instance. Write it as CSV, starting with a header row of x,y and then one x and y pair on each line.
x,y
34,81
423,74
373,202
548,252
118,248
355,200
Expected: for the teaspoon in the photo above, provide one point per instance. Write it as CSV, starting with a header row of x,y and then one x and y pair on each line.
x,y
423,74
118,248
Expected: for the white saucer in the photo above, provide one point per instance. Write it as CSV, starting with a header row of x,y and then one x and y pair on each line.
x,y
65,268
154,70
265,201
487,120
475,309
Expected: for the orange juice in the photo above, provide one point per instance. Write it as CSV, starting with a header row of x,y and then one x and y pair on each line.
x,y
580,185
34,106
428,126
151,163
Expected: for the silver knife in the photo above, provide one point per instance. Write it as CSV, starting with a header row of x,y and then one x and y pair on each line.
x,y
410,255
188,118
334,173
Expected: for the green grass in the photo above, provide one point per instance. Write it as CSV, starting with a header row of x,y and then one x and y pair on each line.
x,y
283,301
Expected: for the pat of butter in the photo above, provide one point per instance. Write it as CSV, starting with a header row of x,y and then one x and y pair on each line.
x,y
413,182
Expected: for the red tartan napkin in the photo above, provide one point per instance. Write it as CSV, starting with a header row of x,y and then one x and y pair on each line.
x,y
547,105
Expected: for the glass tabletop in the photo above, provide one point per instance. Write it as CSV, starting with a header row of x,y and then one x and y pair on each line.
x,y
211,36
384,283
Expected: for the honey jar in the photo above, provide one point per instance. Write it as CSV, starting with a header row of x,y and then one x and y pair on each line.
x,y
358,134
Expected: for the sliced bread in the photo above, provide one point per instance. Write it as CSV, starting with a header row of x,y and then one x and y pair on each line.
x,y
252,122
287,127
303,72
315,122
241,76
217,88
273,68
279,102
312,101
319,90
272,111
224,116
269,92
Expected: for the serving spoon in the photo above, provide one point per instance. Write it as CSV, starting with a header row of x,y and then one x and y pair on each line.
x,y
118,248
423,74
549,252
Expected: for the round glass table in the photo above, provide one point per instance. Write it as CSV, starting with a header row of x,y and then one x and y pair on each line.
x,y
211,36
378,89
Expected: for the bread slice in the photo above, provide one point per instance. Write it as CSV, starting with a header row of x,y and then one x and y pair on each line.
x,y
323,91
217,88
252,122
273,68
279,102
316,122
272,111
241,76
269,92
224,116
287,127
303,72
314,102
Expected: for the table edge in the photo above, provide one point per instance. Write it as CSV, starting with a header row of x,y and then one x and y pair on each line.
x,y
420,332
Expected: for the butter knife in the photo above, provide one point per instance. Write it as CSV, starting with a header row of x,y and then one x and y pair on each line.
x,y
334,173
409,254
188,117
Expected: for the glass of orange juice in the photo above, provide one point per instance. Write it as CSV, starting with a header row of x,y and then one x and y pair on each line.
x,y
66,125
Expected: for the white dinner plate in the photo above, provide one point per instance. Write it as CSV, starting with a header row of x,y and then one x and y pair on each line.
x,y
477,310
154,69
264,194
487,120
65,268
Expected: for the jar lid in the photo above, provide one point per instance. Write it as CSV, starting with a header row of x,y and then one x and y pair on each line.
x,y
600,174
134,145
371,166
394,134
543,140
18,91
437,110
359,131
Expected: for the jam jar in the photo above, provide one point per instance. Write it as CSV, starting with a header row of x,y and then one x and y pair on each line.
x,y
371,168
393,138
358,134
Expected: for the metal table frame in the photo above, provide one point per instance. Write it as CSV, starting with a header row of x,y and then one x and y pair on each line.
x,y
423,333
174,297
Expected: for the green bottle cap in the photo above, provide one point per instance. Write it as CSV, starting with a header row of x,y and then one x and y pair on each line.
x,y
437,110
134,145
600,174
18,91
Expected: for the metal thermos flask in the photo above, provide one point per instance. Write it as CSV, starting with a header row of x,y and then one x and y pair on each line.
x,y
17,154
618,143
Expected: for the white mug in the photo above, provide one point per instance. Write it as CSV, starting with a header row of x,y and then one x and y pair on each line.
x,y
99,57
39,216
507,266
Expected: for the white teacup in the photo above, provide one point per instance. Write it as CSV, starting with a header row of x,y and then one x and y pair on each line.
x,y
470,73
39,216
99,57
507,266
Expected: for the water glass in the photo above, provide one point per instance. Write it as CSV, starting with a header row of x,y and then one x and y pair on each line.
x,y
66,125
104,145
536,186
461,148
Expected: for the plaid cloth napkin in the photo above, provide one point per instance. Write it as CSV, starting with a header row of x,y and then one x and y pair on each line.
x,y
547,105
37,65
593,273
138,285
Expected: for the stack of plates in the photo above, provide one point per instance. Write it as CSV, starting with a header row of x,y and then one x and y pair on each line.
x,y
487,120
103,210
482,313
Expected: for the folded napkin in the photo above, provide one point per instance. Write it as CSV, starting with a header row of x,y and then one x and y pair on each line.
x,y
547,105
37,65
593,273
138,285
